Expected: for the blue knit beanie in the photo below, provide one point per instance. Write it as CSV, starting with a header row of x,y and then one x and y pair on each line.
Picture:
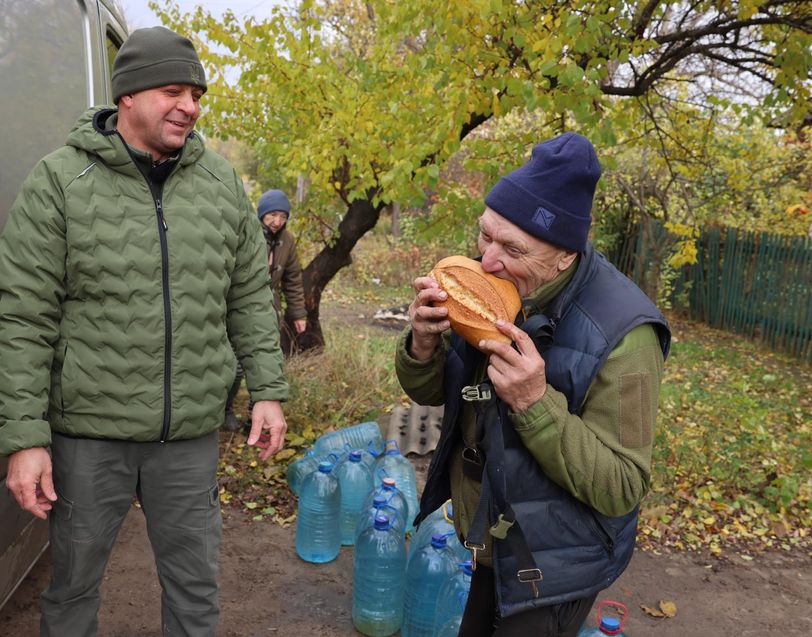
x,y
550,197
271,201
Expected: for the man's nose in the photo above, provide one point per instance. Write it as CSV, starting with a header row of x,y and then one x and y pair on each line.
x,y
490,260
187,104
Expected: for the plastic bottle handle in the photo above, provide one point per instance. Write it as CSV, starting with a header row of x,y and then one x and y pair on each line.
x,y
445,512
619,606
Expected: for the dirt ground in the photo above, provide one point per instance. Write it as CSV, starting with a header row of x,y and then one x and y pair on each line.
x,y
266,590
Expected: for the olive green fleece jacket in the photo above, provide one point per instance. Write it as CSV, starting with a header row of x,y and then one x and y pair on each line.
x,y
111,327
600,457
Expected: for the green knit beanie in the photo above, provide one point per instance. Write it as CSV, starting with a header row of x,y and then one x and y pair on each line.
x,y
155,57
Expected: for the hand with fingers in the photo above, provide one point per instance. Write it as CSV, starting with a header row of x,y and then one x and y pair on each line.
x,y
30,480
517,373
268,427
428,322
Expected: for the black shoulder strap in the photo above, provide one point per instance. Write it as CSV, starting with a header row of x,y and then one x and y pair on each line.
x,y
494,514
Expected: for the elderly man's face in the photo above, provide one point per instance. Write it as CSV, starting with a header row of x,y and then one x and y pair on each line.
x,y
159,120
511,253
274,220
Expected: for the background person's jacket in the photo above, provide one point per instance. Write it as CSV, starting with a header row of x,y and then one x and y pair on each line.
x,y
286,274
116,307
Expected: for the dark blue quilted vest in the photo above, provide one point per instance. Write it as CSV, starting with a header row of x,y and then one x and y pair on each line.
x,y
579,551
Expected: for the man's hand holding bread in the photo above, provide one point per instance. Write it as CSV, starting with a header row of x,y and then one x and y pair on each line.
x,y
481,308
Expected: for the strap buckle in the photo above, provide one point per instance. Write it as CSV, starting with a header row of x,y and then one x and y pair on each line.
x,y
476,393
473,548
530,576
501,528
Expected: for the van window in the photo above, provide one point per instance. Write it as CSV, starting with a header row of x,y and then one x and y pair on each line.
x,y
113,45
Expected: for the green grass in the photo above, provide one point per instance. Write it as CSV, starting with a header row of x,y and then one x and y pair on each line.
x,y
733,452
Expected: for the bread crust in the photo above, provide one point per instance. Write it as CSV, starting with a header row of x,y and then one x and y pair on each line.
x,y
476,299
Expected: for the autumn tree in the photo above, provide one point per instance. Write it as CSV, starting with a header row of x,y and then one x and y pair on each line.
x,y
368,100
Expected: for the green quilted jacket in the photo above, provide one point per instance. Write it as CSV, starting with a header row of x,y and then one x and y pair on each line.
x,y
116,309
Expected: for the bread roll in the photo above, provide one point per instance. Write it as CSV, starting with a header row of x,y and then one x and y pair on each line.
x,y
476,299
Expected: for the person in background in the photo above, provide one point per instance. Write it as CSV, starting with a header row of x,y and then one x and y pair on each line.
x,y
131,257
273,211
546,444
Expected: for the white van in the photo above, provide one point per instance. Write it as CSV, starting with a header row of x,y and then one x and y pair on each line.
x,y
55,61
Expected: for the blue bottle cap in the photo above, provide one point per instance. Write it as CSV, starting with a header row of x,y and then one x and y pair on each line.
x,y
325,467
381,522
355,456
610,625
388,483
378,501
438,540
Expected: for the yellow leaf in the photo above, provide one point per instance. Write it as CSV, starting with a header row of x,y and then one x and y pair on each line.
x,y
285,454
653,612
669,608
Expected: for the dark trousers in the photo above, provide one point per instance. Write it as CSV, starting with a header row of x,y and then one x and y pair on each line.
x,y
176,484
480,620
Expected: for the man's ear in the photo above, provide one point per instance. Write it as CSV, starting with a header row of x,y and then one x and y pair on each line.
x,y
127,100
566,259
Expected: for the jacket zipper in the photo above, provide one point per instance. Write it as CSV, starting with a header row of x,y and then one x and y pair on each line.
x,y
162,230
156,190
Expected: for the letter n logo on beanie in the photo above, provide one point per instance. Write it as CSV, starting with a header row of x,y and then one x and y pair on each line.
x,y
543,217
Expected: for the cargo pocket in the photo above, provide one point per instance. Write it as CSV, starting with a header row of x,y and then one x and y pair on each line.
x,y
61,532
214,526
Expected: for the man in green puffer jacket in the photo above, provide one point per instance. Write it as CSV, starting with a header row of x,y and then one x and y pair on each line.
x,y
131,257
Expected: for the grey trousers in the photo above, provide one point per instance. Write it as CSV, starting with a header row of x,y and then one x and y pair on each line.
x,y
176,484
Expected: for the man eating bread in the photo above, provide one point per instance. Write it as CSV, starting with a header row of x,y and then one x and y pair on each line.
x,y
547,433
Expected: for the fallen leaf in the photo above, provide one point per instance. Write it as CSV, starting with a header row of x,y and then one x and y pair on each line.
x,y
285,454
653,612
669,608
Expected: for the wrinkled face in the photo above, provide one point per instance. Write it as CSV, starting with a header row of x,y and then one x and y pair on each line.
x,y
511,253
274,220
159,120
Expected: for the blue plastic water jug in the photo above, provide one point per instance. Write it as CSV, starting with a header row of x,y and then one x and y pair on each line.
x,y
379,566
440,521
318,537
607,624
302,467
451,628
379,505
357,437
453,596
426,574
391,464
388,488
355,481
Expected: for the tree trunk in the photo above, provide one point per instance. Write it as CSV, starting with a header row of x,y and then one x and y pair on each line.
x,y
361,217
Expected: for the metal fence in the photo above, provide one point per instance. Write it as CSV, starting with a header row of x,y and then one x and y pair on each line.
x,y
756,284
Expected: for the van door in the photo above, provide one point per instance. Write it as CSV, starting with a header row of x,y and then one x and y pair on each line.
x,y
55,57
